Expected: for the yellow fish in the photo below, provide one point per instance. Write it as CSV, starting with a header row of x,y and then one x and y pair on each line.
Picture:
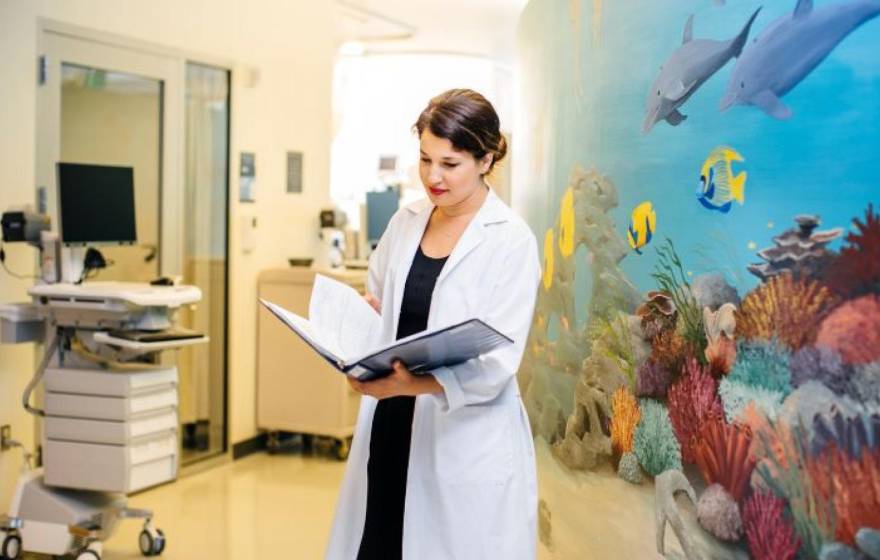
x,y
642,226
718,186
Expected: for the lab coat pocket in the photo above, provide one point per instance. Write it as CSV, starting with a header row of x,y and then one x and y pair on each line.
x,y
475,446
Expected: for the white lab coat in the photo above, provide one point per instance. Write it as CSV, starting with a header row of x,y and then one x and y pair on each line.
x,y
471,490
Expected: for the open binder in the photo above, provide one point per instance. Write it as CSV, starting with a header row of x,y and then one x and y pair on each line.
x,y
344,329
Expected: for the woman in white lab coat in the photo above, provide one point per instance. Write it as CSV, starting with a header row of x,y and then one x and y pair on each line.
x,y
442,465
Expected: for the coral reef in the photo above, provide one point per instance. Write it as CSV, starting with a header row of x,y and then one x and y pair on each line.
x,y
652,380
787,309
820,364
853,330
713,291
666,485
762,364
657,314
865,383
671,278
692,400
721,355
671,351
810,400
586,440
800,251
839,551
654,441
718,513
629,469
722,455
625,417
856,270
868,541
736,396
719,323
851,433
769,532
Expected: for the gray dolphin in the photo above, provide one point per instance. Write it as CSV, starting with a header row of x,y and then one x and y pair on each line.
x,y
694,62
788,50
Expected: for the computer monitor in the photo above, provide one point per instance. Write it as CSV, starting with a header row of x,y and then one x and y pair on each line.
x,y
96,204
381,206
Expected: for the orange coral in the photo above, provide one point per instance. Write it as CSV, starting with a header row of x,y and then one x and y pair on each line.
x,y
785,308
853,330
671,351
722,453
721,355
626,416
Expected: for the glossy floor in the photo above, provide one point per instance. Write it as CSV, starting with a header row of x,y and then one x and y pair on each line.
x,y
260,507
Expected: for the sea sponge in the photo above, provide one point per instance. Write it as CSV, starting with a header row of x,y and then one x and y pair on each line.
x,y
692,400
853,330
652,380
624,419
723,455
785,309
654,441
762,364
629,469
821,364
719,514
735,396
769,531
856,270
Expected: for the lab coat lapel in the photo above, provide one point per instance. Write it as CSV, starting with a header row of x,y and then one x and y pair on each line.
x,y
412,237
489,213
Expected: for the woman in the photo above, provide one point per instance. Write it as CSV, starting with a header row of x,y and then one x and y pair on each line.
x,y
442,465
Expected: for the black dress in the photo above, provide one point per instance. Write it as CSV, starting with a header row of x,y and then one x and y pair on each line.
x,y
392,429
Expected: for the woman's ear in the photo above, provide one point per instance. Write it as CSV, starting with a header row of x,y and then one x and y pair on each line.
x,y
486,163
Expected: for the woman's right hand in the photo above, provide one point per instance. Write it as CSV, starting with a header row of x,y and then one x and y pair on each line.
x,y
374,303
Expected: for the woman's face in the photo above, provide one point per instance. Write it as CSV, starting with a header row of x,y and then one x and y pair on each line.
x,y
450,176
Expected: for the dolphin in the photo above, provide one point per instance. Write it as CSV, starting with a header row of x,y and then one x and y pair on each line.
x,y
694,62
788,50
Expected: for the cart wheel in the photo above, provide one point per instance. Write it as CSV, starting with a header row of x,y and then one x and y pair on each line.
x,y
159,543
342,449
11,548
88,555
146,543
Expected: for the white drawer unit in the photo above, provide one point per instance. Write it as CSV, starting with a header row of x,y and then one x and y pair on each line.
x,y
144,462
108,408
110,383
110,431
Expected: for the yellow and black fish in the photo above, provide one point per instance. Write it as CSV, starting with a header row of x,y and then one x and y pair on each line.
x,y
718,186
642,226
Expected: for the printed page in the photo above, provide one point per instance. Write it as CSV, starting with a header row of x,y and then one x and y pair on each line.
x,y
343,318
306,330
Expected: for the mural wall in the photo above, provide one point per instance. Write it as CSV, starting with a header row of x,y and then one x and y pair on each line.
x,y
703,371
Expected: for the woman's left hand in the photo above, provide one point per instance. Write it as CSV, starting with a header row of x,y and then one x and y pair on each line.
x,y
400,382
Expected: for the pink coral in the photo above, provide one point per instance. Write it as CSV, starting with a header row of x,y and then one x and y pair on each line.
x,y
692,399
856,270
769,532
853,330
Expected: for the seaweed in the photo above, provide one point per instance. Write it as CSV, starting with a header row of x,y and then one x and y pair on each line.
x,y
670,276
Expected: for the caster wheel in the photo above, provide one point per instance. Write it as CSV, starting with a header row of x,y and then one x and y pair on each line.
x,y
88,555
151,545
11,547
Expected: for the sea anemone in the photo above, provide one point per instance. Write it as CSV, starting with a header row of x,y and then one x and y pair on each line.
x,y
856,270
625,418
762,364
692,400
823,365
718,513
786,309
654,441
735,396
769,532
722,455
652,380
853,330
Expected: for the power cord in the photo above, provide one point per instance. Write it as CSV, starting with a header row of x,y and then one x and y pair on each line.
x,y
10,272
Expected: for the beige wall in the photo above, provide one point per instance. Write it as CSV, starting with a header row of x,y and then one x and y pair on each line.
x,y
291,45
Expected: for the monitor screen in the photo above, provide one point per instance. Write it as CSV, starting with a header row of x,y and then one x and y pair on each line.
x,y
381,206
96,203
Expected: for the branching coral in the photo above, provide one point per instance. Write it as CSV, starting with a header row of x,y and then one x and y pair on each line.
x,y
853,330
786,309
736,396
823,365
625,418
654,442
856,271
769,532
762,364
722,455
692,400
670,276
652,380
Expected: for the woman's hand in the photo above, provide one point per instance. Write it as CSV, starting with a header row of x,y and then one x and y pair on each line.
x,y
374,303
399,383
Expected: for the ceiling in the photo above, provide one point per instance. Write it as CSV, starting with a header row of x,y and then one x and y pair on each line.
x,y
474,27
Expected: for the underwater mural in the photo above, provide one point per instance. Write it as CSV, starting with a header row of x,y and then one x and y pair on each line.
x,y
702,375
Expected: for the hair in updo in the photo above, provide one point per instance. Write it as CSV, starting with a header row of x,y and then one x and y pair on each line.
x,y
468,121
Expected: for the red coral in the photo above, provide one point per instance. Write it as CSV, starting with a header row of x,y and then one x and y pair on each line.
x,y
692,399
722,455
853,330
856,271
851,485
769,532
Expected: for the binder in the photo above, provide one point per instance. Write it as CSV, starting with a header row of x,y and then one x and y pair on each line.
x,y
343,328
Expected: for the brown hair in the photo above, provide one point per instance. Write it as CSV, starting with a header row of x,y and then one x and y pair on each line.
x,y
468,120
